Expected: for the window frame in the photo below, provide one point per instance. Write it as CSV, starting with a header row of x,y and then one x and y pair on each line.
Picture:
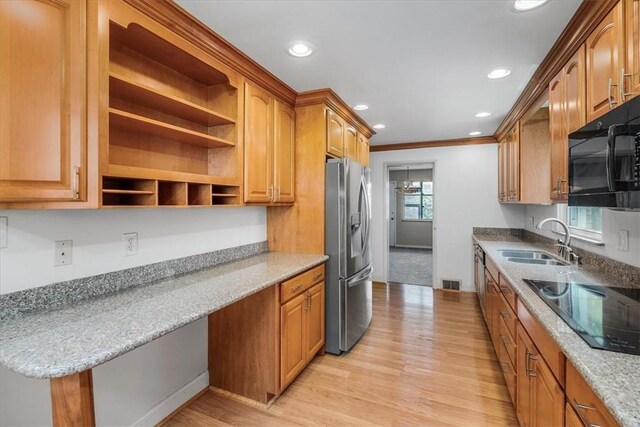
x,y
578,233
422,195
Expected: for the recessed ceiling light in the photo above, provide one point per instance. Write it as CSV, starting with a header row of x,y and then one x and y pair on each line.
x,y
475,133
379,126
483,114
499,73
361,107
524,5
300,49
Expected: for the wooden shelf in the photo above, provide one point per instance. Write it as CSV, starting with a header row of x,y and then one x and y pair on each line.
x,y
223,195
141,192
165,175
135,123
122,87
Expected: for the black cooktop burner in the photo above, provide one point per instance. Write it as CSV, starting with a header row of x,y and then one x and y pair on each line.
x,y
606,318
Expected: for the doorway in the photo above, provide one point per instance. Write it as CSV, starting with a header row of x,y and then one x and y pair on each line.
x,y
410,224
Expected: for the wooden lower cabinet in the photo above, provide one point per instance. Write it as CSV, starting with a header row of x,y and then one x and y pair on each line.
x,y
587,407
259,345
540,399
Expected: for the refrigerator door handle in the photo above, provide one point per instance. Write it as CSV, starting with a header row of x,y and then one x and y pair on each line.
x,y
365,217
365,273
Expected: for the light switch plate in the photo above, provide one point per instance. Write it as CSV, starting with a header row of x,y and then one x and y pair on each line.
x,y
4,232
623,240
63,253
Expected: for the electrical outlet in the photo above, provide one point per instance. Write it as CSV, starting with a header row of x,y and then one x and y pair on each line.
x,y
130,244
63,253
532,221
4,230
623,240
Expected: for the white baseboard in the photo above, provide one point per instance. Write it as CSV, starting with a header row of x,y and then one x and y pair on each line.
x,y
173,402
413,246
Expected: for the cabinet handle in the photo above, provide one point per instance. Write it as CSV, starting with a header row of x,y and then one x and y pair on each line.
x,y
271,193
505,290
623,94
505,315
295,288
317,277
611,101
76,182
527,360
308,300
505,367
579,408
278,193
505,339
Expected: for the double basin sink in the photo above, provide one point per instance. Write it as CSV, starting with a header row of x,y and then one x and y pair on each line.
x,y
530,257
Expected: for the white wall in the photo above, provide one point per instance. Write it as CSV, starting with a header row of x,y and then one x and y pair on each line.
x,y
128,387
612,222
465,196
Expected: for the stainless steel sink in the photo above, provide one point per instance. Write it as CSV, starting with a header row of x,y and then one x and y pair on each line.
x,y
538,261
516,253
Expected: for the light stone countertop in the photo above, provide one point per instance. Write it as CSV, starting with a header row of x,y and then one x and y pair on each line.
x,y
72,339
614,377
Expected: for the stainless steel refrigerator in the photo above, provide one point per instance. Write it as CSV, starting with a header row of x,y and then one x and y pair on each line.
x,y
348,244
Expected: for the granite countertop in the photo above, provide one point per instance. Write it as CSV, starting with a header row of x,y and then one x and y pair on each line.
x,y
614,377
55,343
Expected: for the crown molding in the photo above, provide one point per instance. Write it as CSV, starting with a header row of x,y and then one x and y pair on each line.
x,y
435,143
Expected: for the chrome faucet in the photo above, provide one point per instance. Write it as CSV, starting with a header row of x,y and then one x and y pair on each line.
x,y
564,248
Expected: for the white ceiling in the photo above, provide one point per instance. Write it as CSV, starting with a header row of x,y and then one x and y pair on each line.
x,y
421,66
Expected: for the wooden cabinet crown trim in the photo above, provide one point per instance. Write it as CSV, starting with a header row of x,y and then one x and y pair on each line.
x,y
584,21
332,100
184,24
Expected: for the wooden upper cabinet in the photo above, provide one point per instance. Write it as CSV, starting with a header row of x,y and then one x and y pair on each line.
x,y
567,112
605,57
631,74
335,134
258,145
42,108
350,143
363,150
284,153
513,182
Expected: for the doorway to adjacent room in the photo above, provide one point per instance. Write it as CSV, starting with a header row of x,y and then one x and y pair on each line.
x,y
410,224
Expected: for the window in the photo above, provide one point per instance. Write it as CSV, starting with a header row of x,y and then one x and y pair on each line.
x,y
585,222
419,206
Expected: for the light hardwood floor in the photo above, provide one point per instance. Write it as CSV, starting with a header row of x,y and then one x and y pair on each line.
x,y
426,360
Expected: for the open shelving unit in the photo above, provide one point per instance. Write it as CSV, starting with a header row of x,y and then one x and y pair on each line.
x,y
173,121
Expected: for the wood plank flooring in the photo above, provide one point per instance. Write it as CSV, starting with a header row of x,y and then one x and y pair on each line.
x,y
426,360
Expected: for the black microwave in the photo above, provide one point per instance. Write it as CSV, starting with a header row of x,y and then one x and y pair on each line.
x,y
604,160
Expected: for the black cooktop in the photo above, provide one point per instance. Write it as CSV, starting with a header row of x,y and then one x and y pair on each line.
x,y
606,318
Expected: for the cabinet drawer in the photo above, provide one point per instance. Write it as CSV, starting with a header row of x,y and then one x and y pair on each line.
x,y
547,346
508,341
507,290
508,370
586,404
301,283
508,315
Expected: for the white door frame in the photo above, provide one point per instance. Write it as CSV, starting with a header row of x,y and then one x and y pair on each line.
x,y
385,235
392,200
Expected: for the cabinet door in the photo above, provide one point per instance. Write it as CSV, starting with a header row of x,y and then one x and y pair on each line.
x,y
42,107
284,153
524,349
559,143
605,47
335,134
546,395
502,170
574,91
315,320
514,165
293,354
363,150
351,143
258,146
631,86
